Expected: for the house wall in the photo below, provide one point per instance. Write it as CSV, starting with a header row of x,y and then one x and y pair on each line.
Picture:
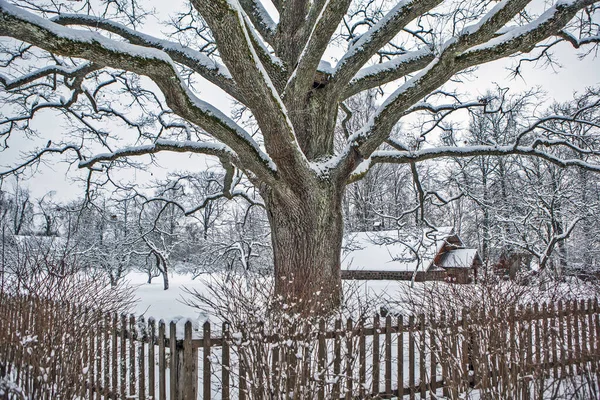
x,y
393,275
460,275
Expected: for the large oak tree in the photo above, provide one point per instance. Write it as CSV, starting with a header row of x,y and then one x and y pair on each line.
x,y
271,63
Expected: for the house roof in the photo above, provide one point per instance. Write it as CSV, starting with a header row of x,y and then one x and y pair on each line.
x,y
393,250
458,258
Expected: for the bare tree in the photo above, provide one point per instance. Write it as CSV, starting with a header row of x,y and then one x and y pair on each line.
x,y
274,67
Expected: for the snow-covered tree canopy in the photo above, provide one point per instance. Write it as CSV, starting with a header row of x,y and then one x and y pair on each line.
x,y
269,56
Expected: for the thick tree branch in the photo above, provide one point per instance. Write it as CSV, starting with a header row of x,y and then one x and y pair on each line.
x,y
226,21
407,157
386,72
156,64
303,76
193,59
292,30
378,36
214,149
261,19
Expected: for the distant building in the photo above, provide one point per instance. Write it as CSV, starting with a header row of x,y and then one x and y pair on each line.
x,y
399,255
511,262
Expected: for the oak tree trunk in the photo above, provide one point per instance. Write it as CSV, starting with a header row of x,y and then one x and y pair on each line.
x,y
306,232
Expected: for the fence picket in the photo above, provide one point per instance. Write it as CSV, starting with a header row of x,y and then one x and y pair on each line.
x,y
411,356
444,353
173,358
422,367
388,356
563,347
162,365
151,358
322,359
106,356
132,351
376,358
400,360
337,359
362,355
191,362
349,359
141,358
432,358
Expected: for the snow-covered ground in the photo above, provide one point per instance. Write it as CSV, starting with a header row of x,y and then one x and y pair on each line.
x,y
153,301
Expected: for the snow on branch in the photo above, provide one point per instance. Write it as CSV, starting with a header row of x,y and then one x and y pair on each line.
x,y
154,63
379,74
231,32
193,59
456,56
324,27
260,18
214,149
378,36
577,43
405,157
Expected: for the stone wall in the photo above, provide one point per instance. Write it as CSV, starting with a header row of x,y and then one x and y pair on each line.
x,y
393,275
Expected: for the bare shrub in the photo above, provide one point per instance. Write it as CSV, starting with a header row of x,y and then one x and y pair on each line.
x,y
510,339
281,352
53,312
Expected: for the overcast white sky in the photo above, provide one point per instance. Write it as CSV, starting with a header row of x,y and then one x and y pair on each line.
x,y
574,75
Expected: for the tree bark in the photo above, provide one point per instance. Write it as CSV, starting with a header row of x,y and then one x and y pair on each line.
x,y
165,276
306,233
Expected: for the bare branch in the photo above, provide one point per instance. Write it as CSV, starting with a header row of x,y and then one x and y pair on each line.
x,y
153,63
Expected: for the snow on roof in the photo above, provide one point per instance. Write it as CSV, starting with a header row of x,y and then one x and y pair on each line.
x,y
458,258
392,250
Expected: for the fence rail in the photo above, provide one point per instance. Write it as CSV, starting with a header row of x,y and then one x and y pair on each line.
x,y
48,349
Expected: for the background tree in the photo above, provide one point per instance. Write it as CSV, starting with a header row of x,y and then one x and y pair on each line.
x,y
87,52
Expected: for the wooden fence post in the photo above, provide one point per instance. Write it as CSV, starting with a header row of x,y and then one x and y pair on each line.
x,y
411,356
192,364
151,358
337,359
422,367
376,358
349,358
174,362
322,359
225,361
362,357
400,357
388,355
162,365
142,358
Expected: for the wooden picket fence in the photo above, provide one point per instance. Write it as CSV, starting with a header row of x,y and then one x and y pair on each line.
x,y
50,350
